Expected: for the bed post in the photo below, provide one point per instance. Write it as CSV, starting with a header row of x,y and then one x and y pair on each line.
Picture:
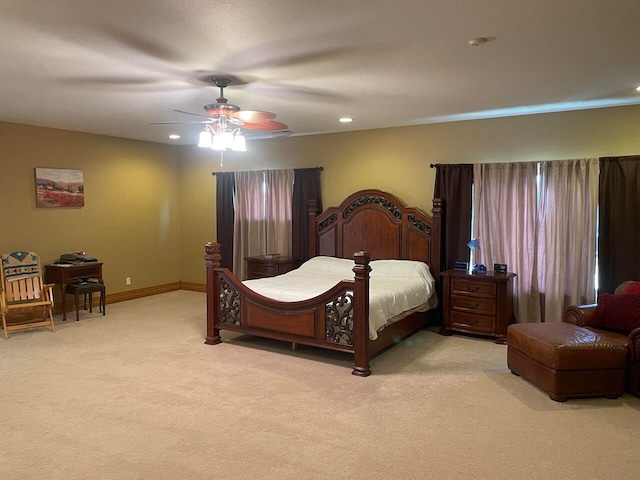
x,y
212,260
361,314
436,240
436,255
313,234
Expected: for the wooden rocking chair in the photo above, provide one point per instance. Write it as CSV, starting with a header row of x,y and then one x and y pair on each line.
x,y
22,292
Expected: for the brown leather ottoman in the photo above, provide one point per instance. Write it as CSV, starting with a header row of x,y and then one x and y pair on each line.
x,y
566,361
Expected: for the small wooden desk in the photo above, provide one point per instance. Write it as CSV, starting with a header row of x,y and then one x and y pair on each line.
x,y
64,275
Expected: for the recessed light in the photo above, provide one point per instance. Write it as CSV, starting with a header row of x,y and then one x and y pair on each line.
x,y
174,136
346,120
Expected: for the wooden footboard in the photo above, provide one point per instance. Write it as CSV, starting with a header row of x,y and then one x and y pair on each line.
x,y
337,320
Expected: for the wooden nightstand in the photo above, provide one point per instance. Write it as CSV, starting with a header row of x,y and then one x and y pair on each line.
x,y
480,304
261,266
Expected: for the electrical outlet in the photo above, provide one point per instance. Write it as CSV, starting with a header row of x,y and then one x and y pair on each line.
x,y
127,280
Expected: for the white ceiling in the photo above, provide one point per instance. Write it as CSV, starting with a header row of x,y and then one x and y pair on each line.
x,y
113,66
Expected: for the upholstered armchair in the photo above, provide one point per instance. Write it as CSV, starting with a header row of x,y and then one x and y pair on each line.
x,y
617,317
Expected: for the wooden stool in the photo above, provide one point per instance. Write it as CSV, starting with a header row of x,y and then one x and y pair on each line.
x,y
87,289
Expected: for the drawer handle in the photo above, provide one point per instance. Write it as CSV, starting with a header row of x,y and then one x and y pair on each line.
x,y
473,289
471,322
472,307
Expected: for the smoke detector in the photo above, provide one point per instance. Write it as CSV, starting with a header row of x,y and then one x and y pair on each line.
x,y
478,42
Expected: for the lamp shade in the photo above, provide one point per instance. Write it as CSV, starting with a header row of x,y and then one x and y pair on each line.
x,y
227,139
239,143
217,143
205,139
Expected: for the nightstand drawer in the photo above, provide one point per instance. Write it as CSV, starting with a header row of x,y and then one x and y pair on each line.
x,y
473,323
465,303
470,287
269,266
263,269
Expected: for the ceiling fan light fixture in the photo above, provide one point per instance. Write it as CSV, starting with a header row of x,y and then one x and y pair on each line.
x,y
222,137
225,109
224,123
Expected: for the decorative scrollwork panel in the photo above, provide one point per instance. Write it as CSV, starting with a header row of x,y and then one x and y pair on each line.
x,y
229,304
420,225
332,218
369,199
339,320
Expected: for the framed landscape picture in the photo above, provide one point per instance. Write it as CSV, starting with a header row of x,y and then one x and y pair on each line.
x,y
58,187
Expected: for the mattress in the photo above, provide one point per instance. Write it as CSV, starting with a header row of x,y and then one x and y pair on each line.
x,y
396,287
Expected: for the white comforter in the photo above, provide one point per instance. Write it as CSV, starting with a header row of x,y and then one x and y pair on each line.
x,y
396,286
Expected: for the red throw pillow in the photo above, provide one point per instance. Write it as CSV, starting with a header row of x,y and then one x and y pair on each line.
x,y
617,312
633,288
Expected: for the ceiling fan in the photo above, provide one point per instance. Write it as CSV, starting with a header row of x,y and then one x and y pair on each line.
x,y
224,122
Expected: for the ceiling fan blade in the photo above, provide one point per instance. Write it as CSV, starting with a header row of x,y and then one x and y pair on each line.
x,y
294,92
270,126
146,46
174,123
254,116
258,58
113,80
194,114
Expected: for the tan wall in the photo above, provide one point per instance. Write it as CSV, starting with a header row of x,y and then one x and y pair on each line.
x,y
397,159
130,221
149,208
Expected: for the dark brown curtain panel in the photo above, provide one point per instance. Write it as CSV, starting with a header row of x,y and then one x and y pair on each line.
x,y
225,188
454,186
619,232
306,187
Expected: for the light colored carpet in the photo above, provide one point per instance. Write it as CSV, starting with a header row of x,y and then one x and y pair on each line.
x,y
138,395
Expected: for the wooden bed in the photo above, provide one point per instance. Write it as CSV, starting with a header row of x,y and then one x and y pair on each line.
x,y
375,225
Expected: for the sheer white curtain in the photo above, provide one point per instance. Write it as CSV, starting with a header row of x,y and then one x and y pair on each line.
x,y
542,224
567,234
248,223
505,219
279,196
262,215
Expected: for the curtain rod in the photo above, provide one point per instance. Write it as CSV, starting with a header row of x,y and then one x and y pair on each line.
x,y
312,168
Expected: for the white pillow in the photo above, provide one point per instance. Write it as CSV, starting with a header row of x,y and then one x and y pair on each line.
x,y
400,268
341,266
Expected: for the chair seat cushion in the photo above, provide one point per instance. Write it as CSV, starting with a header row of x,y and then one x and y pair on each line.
x,y
563,346
85,287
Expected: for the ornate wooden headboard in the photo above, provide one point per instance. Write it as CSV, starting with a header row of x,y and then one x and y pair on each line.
x,y
379,223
